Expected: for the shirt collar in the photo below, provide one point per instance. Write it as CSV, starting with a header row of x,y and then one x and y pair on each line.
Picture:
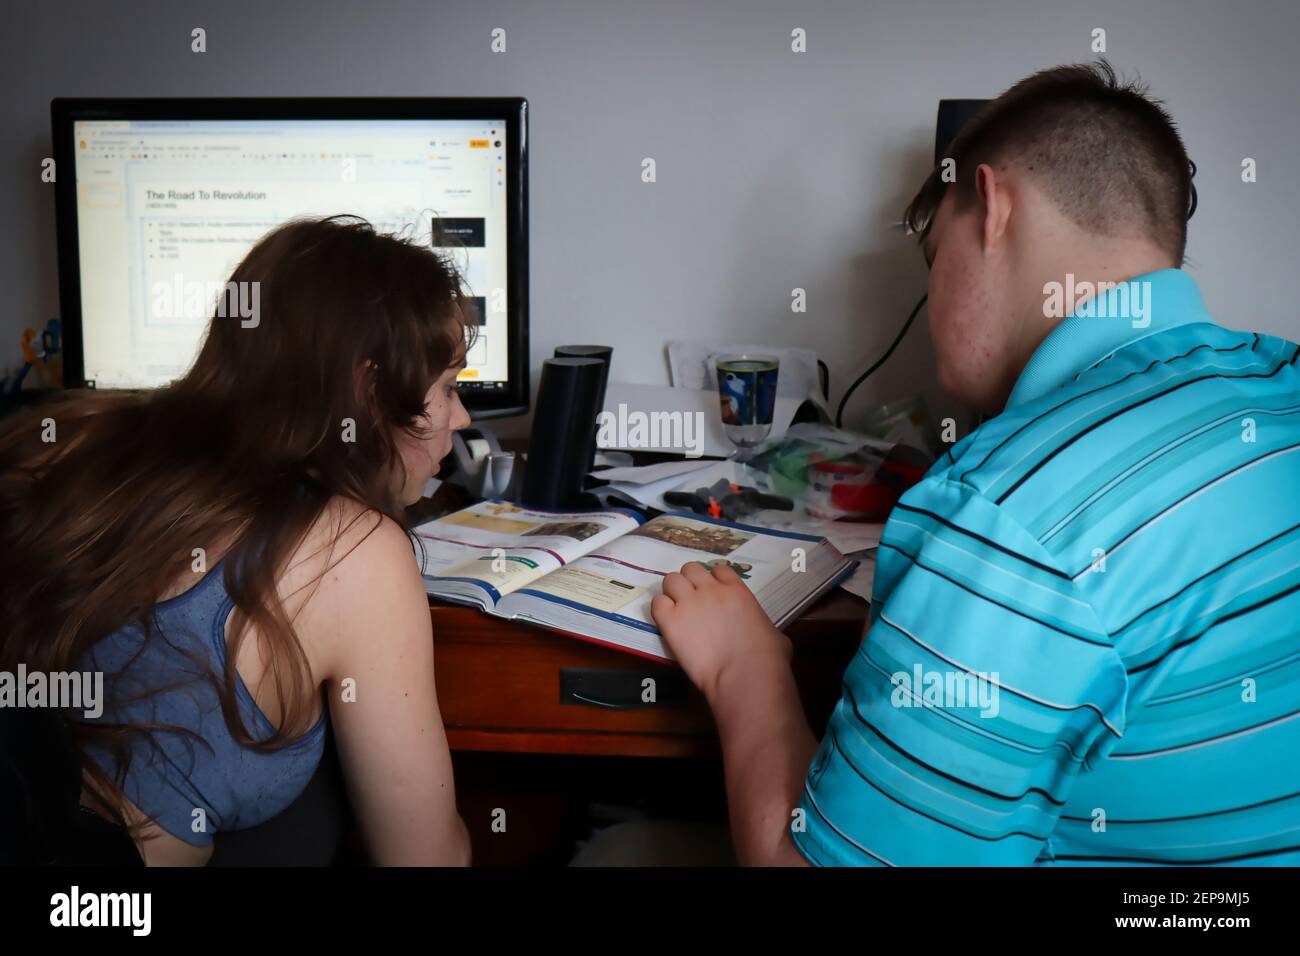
x,y
1131,310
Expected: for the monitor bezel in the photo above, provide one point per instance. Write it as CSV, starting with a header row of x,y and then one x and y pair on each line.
x,y
513,111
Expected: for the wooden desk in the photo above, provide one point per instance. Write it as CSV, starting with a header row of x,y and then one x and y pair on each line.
x,y
523,741
513,688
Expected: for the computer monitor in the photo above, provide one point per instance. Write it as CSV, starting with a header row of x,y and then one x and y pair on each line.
x,y
953,115
159,199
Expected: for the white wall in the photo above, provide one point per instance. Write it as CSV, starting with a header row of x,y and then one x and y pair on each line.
x,y
775,170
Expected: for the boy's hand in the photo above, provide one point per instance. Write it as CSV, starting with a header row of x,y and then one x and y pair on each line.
x,y
712,622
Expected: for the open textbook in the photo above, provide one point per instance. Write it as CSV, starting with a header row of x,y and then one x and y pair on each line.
x,y
593,574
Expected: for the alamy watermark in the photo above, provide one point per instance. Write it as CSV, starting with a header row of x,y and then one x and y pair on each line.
x,y
196,301
64,690
1094,300
75,908
675,430
948,689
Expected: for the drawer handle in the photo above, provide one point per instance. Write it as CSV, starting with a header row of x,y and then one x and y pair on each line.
x,y
622,689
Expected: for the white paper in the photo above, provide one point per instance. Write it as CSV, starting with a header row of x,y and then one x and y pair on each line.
x,y
700,404
848,536
863,576
645,474
652,494
713,472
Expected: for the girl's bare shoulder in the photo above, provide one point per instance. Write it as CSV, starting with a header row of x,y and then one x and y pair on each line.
x,y
344,573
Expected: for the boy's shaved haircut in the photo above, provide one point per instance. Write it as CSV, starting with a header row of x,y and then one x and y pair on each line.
x,y
1106,153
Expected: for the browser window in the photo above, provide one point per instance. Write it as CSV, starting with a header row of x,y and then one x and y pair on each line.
x,y
167,209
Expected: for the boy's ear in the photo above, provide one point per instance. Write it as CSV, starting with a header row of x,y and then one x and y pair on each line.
x,y
995,203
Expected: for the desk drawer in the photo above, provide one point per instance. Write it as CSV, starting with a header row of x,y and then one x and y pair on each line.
x,y
516,688
546,687
504,686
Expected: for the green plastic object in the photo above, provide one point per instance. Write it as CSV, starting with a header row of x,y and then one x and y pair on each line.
x,y
786,461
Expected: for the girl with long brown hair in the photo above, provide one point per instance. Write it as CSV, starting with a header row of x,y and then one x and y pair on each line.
x,y
230,551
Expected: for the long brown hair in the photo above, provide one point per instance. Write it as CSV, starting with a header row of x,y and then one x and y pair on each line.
x,y
105,497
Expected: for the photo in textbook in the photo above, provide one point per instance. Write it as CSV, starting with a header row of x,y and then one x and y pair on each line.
x,y
593,574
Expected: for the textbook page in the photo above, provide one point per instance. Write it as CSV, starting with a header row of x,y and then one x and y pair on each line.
x,y
499,547
619,578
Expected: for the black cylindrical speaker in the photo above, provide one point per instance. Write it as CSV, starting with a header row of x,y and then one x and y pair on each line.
x,y
606,354
563,439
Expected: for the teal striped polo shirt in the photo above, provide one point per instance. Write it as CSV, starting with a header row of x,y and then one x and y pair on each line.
x,y
1084,638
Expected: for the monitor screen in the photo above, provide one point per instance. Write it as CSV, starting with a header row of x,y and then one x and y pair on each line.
x,y
165,208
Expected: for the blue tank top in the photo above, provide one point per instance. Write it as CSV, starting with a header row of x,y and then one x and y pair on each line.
x,y
234,787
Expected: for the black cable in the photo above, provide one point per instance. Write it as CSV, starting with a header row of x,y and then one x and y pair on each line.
x,y
839,414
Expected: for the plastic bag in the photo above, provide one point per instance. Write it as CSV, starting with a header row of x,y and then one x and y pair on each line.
x,y
838,474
